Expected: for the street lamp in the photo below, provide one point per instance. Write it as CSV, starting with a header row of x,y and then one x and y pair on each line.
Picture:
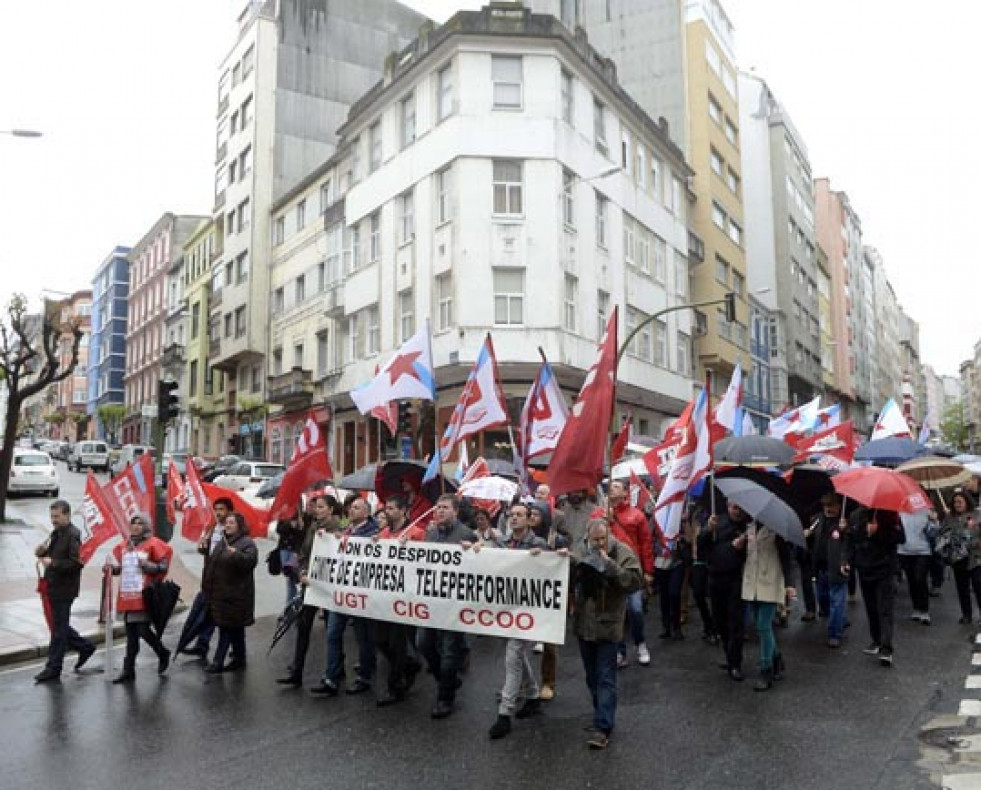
x,y
21,132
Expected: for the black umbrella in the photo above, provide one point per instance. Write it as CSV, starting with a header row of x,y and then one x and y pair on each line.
x,y
774,483
197,620
759,451
361,480
810,482
390,476
289,616
501,468
891,451
160,598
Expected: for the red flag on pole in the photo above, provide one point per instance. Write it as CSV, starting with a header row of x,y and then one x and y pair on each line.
x,y
619,447
198,515
643,492
175,492
578,460
256,519
99,520
308,465
132,493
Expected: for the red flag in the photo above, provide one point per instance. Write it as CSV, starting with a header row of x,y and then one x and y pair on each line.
x,y
388,413
307,466
643,492
99,521
658,459
838,442
619,447
198,515
256,519
577,462
132,492
175,492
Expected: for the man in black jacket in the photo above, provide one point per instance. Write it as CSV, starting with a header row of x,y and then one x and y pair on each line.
x,y
826,542
870,547
63,573
723,545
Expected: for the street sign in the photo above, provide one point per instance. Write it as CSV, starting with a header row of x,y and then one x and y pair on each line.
x,y
149,410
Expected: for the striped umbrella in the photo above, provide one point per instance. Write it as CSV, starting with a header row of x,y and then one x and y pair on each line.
x,y
935,473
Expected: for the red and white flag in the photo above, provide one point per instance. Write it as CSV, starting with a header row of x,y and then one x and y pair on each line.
x,y
132,492
544,415
728,408
891,422
406,376
578,460
658,459
388,413
197,513
256,518
99,522
308,465
837,442
175,492
643,493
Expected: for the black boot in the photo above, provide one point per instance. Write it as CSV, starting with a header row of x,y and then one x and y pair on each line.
x,y
765,683
128,675
500,728
778,666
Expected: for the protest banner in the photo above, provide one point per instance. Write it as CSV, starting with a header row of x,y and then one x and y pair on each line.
x,y
496,592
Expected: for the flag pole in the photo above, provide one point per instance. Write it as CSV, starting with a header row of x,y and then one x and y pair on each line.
x,y
110,620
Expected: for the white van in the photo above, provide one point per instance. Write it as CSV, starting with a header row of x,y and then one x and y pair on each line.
x,y
89,455
129,454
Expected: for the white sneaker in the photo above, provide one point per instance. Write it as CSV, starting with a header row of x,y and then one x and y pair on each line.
x,y
925,618
643,655
916,616
539,647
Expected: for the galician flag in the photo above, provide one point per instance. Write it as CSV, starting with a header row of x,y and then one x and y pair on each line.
x,y
481,406
890,423
543,416
798,421
726,411
408,375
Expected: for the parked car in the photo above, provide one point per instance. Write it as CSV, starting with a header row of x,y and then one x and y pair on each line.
x,y
127,455
180,462
221,466
246,473
32,471
89,455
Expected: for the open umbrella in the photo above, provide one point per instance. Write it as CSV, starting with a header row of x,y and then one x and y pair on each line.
x,y
392,475
891,451
808,483
502,468
361,480
491,487
763,505
289,616
160,598
935,473
881,489
760,451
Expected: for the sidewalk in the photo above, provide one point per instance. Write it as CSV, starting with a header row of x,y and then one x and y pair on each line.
x,y
24,633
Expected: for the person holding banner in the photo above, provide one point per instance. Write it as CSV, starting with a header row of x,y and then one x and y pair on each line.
x,y
229,583
59,555
444,650
540,519
139,561
604,573
519,678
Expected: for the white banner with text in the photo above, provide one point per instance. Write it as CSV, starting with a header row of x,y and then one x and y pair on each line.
x,y
497,592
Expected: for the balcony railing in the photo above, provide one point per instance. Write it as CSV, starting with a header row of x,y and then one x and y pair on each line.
x,y
173,356
295,387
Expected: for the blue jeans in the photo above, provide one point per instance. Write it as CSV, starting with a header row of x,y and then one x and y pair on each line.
x,y
336,625
444,652
599,659
832,600
635,619
63,636
765,611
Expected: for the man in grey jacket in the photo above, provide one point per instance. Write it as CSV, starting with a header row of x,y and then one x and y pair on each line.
x,y
604,572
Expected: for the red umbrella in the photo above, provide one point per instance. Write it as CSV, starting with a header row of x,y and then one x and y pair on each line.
x,y
42,589
881,489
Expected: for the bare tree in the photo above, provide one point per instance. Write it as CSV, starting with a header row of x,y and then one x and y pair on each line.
x,y
30,360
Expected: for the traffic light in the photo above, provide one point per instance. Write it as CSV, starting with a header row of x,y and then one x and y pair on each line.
x,y
731,306
168,407
405,420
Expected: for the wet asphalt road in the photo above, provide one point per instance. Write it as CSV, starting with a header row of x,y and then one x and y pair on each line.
x,y
838,720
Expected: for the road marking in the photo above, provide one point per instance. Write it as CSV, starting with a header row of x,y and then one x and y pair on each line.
x,y
961,782
973,682
976,660
969,707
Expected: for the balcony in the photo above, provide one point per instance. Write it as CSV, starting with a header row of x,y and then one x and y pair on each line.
x,y
293,389
173,356
334,301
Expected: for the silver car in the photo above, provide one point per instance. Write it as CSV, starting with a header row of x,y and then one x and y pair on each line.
x,y
33,472
246,473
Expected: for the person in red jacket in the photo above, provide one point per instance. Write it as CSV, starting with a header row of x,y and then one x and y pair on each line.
x,y
139,561
631,527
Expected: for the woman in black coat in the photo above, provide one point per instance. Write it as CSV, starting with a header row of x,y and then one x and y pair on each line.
x,y
229,583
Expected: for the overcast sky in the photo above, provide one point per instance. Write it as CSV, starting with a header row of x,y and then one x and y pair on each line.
x,y
124,92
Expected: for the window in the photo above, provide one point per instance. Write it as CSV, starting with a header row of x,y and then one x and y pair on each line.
x,y
735,232
353,251
243,215
232,171
568,200
509,296
566,96
629,240
640,347
732,134
240,321
506,75
715,110
660,259
321,277
407,113
507,187
374,237
641,169
718,216
354,165
444,302
242,267
195,320
571,303
301,214
599,126
277,361
626,158
300,289
602,216
355,336
443,196
644,239
660,343
680,276
407,222
407,321
374,147
245,163
374,330
192,384
684,354
326,196
713,58
279,230
246,112
248,60
298,355
718,165
738,283
230,223
228,324
725,328
733,181
322,348
444,93
678,198
721,270
602,310
229,273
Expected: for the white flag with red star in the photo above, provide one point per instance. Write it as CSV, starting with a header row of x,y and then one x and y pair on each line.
x,y
406,376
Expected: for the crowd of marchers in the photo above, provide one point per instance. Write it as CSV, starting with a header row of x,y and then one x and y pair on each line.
x,y
737,572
